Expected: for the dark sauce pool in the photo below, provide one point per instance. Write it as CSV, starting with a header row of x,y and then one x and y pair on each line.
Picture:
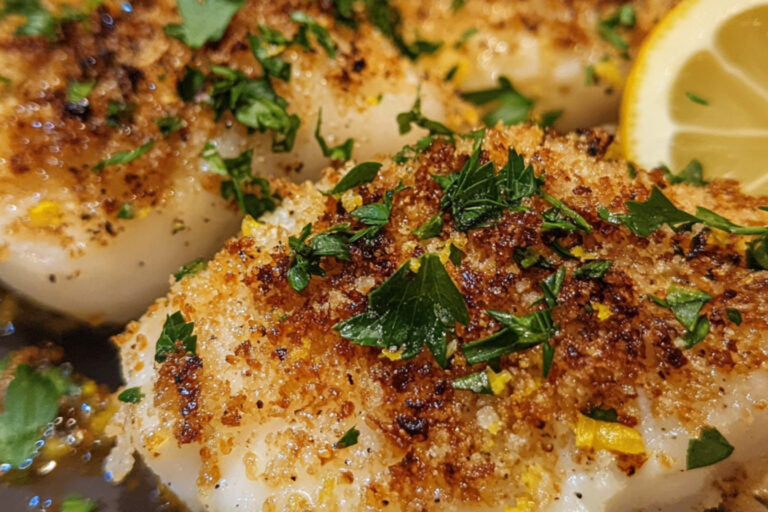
x,y
91,354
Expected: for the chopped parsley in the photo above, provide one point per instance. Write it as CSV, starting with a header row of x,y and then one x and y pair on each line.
x,y
519,333
348,439
31,402
308,252
251,193
410,310
757,253
191,84
696,98
190,269
267,48
590,77
414,116
511,106
562,216
255,104
686,304
131,395
374,215
456,255
592,270
387,19
623,17
124,157
125,211
307,26
527,257
734,316
360,174
551,287
549,118
430,228
39,22
175,331
462,40
78,92
344,12
710,448
692,174
119,113
601,414
169,124
77,503
477,382
340,153
411,150
203,21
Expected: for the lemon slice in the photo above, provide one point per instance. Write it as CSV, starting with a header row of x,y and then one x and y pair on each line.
x,y
699,90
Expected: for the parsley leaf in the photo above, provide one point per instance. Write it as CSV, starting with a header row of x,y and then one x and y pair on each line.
x,y
462,40
39,22
361,173
203,21
511,106
239,171
714,220
696,98
190,269
592,270
169,124
549,118
374,215
125,211
527,257
405,119
455,255
710,448
387,19
306,255
520,333
267,49
692,174
410,310
348,439
124,157
551,287
308,25
476,382
734,315
31,402
600,414
340,153
344,13
411,150
757,254
431,228
561,210
175,330
77,503
131,395
255,104
119,113
646,217
686,304
516,180
191,84
624,17
79,91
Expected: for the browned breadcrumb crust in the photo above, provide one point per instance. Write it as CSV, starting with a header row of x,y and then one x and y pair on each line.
x,y
299,371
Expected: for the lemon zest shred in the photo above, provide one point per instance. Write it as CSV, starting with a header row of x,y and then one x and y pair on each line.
x,y
604,435
603,311
46,214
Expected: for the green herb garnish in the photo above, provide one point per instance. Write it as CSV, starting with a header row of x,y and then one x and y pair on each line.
x,y
511,106
551,287
307,26
175,330
686,304
340,153
549,118
125,211
592,270
307,254
191,268
169,124
601,414
692,174
124,157
348,439
462,40
374,215
623,17
410,310
414,116
519,333
31,402
131,395
734,316
456,255
696,99
39,22
255,104
119,113
710,448
431,228
527,257
77,503
267,49
360,174
191,84
387,19
239,171
78,91
203,21
476,382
